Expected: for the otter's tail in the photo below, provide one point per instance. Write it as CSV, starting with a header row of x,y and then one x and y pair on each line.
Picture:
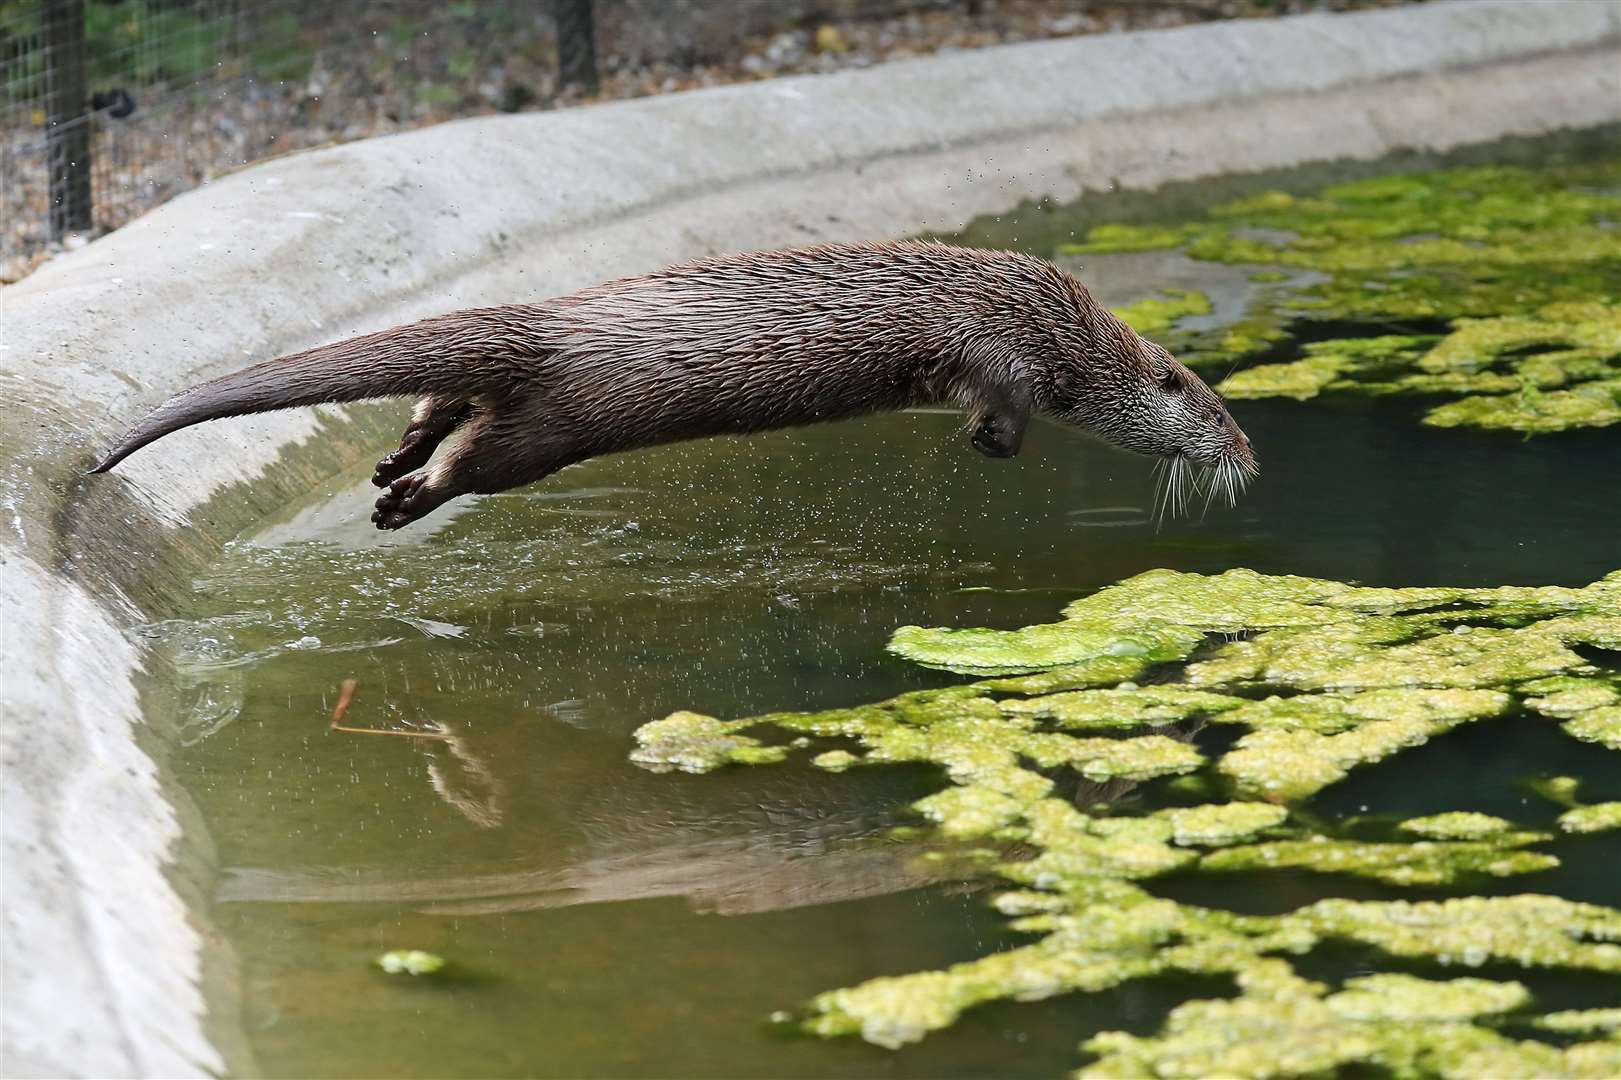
x,y
462,353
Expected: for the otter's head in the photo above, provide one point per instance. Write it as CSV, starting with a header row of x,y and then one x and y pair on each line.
x,y
1141,398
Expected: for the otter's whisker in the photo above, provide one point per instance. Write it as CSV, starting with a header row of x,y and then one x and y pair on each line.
x,y
1173,481
1229,483
1210,479
1156,502
1225,477
1167,480
1176,487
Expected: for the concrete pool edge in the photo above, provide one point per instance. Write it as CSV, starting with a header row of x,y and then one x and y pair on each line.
x,y
103,954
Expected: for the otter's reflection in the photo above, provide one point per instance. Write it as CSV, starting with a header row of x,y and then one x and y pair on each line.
x,y
771,856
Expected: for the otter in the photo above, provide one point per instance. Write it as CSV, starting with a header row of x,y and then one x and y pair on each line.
x,y
737,344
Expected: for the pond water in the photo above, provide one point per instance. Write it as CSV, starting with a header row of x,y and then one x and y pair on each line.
x,y
601,920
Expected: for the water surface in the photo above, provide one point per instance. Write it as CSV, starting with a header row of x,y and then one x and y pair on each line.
x,y
603,921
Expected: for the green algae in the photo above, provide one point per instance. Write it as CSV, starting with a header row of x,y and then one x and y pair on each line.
x,y
1596,818
1404,997
835,760
1518,265
1420,863
1121,708
1215,825
1593,404
1581,1021
1602,726
1590,708
1457,825
1299,380
1235,601
410,962
1154,316
1527,930
1033,648
695,743
1557,789
1108,239
1324,677
1330,365
1287,1026
1098,672
1347,656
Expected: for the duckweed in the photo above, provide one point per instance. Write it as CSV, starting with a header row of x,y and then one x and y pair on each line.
x,y
1323,677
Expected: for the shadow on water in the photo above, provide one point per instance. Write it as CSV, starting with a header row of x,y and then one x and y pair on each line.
x,y
600,920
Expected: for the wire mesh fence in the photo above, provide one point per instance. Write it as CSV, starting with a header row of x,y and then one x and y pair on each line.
x,y
109,107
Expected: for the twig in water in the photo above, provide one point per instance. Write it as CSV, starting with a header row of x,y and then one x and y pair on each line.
x,y
346,694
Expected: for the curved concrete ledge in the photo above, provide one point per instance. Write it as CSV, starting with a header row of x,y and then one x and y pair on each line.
x,y
106,972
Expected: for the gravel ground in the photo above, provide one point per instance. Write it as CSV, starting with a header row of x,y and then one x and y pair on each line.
x,y
470,60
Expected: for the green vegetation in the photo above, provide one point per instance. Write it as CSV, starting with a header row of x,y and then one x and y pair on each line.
x,y
1155,316
410,962
1517,268
1324,678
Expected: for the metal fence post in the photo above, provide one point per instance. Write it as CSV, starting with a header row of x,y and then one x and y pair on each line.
x,y
67,119
576,44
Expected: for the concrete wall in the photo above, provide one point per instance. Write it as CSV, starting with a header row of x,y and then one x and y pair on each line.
x,y
109,967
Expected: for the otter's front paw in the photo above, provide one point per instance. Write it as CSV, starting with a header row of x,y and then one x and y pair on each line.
x,y
995,439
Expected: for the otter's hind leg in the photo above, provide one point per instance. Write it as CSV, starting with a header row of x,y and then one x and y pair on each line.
x,y
499,448
433,419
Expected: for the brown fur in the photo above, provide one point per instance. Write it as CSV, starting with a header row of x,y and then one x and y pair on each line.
x,y
738,344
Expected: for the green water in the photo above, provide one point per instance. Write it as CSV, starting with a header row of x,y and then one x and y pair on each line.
x,y
600,920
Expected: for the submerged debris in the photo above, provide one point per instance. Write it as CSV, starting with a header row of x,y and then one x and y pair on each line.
x,y
1325,677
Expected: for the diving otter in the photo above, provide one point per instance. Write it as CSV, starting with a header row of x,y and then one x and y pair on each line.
x,y
736,344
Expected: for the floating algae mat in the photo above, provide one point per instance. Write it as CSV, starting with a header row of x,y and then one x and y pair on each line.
x,y
1490,292
1315,679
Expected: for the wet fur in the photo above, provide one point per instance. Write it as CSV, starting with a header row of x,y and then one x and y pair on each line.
x,y
731,345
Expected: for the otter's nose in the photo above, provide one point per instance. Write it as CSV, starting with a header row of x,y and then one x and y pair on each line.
x,y
1245,453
